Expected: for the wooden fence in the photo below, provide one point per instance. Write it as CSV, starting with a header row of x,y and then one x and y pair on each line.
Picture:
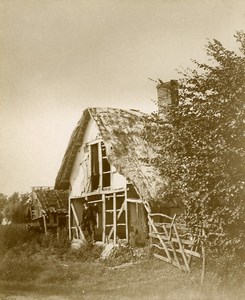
x,y
171,240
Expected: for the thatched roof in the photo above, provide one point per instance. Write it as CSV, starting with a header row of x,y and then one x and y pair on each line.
x,y
121,132
48,200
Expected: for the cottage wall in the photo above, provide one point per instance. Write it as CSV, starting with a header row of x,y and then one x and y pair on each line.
x,y
80,175
80,171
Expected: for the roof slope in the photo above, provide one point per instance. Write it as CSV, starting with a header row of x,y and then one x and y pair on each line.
x,y
49,200
121,132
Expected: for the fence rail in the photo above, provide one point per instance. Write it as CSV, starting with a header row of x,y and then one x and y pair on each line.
x,y
171,241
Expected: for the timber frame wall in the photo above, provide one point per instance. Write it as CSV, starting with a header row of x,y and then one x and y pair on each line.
x,y
100,185
113,212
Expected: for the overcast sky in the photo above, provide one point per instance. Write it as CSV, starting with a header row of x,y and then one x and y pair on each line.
x,y
59,57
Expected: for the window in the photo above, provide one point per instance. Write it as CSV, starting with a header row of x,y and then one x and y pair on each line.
x,y
95,174
106,168
100,167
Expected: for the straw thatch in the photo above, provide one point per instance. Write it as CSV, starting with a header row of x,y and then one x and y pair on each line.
x,y
48,200
121,132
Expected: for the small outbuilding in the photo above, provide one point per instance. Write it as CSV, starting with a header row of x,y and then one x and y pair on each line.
x,y
48,208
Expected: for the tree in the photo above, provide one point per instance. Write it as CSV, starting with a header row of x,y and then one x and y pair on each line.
x,y
3,199
15,208
201,147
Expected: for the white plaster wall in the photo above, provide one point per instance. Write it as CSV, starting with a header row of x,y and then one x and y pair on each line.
x,y
80,171
77,175
117,180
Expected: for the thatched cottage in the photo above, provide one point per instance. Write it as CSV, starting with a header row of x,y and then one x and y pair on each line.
x,y
104,164
47,208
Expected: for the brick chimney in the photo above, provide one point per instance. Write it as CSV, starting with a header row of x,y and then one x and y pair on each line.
x,y
167,93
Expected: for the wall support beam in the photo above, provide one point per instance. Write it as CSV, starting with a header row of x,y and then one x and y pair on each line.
x,y
69,218
103,219
114,218
45,225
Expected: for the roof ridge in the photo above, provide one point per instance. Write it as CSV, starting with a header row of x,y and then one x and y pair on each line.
x,y
106,108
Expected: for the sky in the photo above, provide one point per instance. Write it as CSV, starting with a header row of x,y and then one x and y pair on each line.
x,y
58,57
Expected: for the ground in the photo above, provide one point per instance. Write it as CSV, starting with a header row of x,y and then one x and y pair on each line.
x,y
35,267
142,279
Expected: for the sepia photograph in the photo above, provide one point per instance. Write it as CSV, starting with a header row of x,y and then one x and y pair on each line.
x,y
122,153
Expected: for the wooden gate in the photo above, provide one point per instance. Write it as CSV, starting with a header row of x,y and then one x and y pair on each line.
x,y
171,240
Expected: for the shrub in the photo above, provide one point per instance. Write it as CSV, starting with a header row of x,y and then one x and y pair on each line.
x,y
200,147
14,235
85,253
228,269
56,244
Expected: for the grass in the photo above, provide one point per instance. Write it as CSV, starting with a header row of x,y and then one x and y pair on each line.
x,y
145,279
49,269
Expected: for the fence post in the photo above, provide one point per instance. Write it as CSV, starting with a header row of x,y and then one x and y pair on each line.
x,y
203,258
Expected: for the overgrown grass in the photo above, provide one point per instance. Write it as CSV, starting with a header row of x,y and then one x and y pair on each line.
x,y
87,253
20,267
43,263
14,235
34,257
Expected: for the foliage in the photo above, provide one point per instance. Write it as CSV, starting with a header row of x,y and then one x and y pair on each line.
x,y
15,208
121,255
3,199
14,235
201,147
87,253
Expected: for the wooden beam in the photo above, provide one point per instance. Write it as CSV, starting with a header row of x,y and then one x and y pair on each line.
x,y
100,166
162,215
94,201
171,245
126,217
45,225
74,213
192,253
181,248
94,142
103,219
122,190
203,263
188,252
158,246
160,238
114,218
164,237
118,216
166,260
161,257
89,173
77,222
134,200
75,228
69,217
